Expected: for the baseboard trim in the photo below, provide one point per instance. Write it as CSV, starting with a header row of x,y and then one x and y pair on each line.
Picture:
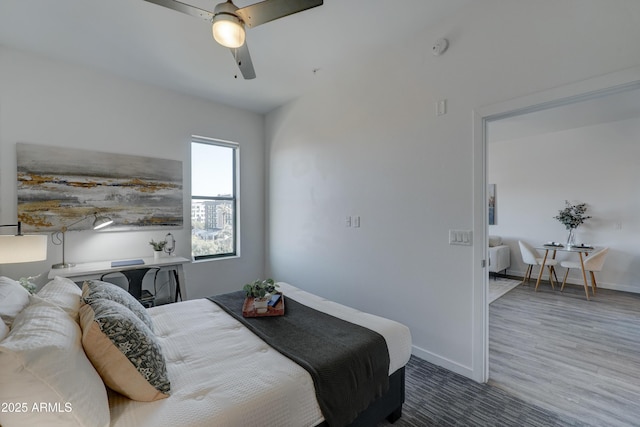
x,y
611,286
443,362
579,282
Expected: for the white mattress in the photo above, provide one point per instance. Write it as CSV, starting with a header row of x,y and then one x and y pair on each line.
x,y
223,375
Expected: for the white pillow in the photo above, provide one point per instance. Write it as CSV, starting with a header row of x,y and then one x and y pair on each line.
x,y
64,293
42,361
495,241
13,298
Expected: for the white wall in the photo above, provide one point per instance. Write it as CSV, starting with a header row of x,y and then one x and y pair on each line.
x,y
51,103
596,164
367,142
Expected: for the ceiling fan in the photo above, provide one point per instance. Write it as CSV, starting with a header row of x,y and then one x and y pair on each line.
x,y
228,22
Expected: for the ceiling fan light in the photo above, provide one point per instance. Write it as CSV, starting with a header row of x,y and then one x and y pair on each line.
x,y
228,30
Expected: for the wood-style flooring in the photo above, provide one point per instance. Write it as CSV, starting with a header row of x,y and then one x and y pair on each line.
x,y
574,357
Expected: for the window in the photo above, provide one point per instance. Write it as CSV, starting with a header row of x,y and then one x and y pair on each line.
x,y
213,198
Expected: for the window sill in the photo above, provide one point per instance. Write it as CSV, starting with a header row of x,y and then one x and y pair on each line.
x,y
223,258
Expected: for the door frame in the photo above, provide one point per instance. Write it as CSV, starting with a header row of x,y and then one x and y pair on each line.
x,y
607,84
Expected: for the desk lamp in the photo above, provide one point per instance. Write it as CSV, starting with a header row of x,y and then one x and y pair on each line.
x,y
98,223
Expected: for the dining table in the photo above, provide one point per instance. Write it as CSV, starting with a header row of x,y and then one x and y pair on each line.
x,y
582,251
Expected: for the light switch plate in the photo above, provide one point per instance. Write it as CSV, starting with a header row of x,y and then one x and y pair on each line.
x,y
461,237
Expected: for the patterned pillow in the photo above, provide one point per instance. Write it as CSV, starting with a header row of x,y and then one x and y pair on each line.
x,y
95,289
4,330
124,351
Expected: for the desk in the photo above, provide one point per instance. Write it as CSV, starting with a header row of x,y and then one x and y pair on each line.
x,y
93,270
578,249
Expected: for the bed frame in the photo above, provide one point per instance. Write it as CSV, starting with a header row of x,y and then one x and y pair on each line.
x,y
388,406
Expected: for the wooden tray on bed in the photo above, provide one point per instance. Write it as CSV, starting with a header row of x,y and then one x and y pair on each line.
x,y
249,311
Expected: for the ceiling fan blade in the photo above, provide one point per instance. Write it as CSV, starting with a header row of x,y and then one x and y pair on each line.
x,y
243,59
268,10
184,8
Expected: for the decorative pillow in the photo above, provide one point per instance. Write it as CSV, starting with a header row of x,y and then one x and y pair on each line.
x,y
495,241
124,351
42,363
95,289
13,299
4,330
64,293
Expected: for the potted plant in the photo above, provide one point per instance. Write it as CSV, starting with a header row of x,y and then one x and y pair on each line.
x,y
157,247
571,217
260,291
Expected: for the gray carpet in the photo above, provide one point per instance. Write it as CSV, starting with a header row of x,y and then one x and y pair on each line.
x,y
438,397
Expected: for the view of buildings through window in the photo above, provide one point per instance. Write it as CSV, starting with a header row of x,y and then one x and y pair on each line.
x,y
213,198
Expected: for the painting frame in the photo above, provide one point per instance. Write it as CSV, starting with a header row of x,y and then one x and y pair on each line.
x,y
58,186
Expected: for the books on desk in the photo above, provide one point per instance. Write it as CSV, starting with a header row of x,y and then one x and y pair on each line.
x,y
127,263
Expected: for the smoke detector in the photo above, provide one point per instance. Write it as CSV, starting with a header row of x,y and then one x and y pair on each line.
x,y
440,46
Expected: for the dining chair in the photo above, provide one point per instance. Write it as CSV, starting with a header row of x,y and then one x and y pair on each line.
x,y
531,257
592,263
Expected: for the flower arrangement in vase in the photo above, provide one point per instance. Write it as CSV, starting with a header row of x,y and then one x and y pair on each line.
x,y
571,217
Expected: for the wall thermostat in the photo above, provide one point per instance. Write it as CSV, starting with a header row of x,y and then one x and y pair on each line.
x,y
440,46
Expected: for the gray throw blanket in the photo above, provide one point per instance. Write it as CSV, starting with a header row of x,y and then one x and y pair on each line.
x,y
349,364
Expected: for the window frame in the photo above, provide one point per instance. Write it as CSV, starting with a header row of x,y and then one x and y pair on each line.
x,y
234,199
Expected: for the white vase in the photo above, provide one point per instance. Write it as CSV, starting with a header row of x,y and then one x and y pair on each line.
x,y
157,254
260,305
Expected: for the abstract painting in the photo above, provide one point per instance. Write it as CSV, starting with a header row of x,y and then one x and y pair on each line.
x,y
59,186
492,204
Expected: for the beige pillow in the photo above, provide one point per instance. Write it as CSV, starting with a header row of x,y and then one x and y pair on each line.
x,y
13,299
64,293
96,289
124,351
42,361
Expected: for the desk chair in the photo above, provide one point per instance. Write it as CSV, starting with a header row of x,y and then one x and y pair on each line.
x,y
134,278
531,257
593,263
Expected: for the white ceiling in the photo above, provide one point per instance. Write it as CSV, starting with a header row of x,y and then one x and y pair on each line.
x,y
146,42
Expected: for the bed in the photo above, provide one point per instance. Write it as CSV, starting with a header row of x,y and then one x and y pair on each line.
x,y
220,372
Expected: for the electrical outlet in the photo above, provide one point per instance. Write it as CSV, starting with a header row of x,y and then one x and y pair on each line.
x,y
441,107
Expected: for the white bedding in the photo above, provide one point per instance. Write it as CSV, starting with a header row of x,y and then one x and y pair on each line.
x,y
223,375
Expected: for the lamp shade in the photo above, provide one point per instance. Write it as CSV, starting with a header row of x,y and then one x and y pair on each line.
x,y
228,31
101,222
22,248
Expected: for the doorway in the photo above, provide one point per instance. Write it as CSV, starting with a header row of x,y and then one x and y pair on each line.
x,y
554,112
601,87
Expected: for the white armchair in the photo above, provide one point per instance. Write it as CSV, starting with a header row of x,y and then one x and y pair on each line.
x,y
499,255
